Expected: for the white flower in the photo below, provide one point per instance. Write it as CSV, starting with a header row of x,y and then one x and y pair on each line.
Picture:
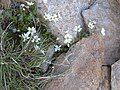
x,y
68,39
103,31
23,9
25,36
44,1
77,28
31,30
54,18
43,52
29,3
47,16
68,36
36,39
22,5
91,25
59,16
57,38
36,47
18,30
57,47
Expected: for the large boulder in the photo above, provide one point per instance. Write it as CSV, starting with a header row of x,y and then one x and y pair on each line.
x,y
70,13
85,72
106,14
90,58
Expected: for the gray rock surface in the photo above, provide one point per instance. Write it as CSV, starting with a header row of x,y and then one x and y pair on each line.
x,y
70,12
88,61
106,78
1,11
106,14
88,57
118,1
85,71
5,3
115,76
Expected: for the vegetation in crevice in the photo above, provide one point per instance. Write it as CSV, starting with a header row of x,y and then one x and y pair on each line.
x,y
24,40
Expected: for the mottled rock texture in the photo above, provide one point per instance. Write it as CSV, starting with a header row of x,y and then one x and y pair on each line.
x,y
85,72
90,58
115,76
70,12
5,3
118,1
88,61
106,14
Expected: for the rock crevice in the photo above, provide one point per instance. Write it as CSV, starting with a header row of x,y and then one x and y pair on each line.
x,y
92,57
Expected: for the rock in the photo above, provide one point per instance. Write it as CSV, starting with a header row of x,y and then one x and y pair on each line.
x,y
60,69
118,1
1,12
44,67
115,76
106,78
85,71
5,3
61,65
70,12
106,14
50,52
91,57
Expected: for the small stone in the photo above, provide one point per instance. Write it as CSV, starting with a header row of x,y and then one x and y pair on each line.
x,y
115,76
44,67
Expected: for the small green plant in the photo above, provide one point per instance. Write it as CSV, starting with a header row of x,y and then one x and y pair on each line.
x,y
24,40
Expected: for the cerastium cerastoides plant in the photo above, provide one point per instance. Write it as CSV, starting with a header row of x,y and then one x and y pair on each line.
x,y
24,40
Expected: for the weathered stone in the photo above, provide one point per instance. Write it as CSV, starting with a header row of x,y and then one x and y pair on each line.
x,y
106,14
106,78
44,67
70,12
60,69
118,1
5,3
85,72
87,57
50,52
115,76
61,65
1,11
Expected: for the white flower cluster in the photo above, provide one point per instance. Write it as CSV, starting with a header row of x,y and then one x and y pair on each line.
x,y
23,6
91,24
31,34
54,17
77,28
57,48
68,39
